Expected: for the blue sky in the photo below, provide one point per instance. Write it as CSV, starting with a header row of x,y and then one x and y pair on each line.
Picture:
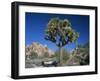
x,y
35,24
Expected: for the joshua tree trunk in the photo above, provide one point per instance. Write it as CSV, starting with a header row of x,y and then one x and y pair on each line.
x,y
60,56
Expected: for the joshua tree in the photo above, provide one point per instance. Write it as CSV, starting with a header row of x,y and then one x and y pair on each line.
x,y
61,33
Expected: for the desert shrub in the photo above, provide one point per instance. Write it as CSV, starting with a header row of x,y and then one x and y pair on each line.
x,y
82,54
65,55
33,55
46,54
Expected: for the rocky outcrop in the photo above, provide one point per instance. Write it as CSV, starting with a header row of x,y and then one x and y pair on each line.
x,y
39,49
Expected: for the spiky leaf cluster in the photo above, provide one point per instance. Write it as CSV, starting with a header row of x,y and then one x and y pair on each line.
x,y
60,32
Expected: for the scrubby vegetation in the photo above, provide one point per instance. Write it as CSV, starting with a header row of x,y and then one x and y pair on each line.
x,y
79,56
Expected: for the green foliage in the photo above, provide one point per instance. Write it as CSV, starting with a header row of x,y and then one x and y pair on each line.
x,y
82,54
33,55
65,55
62,28
57,55
46,54
79,56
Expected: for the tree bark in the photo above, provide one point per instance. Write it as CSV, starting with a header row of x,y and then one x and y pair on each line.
x,y
60,56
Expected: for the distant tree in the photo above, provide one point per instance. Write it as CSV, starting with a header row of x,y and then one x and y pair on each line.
x,y
61,33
